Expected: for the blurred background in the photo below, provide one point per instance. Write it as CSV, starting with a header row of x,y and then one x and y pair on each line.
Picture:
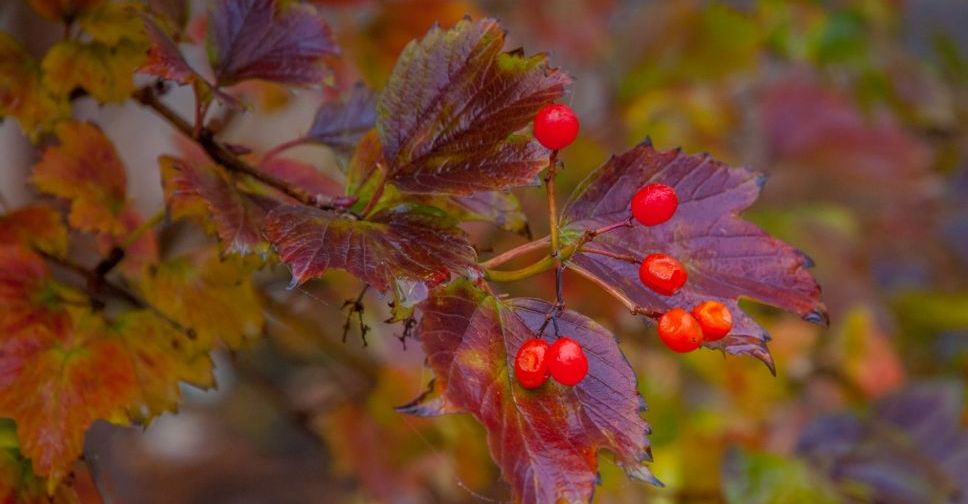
x,y
855,109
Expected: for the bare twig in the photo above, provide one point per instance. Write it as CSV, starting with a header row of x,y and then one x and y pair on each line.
x,y
356,306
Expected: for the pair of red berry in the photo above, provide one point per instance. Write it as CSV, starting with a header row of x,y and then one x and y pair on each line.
x,y
683,331
536,360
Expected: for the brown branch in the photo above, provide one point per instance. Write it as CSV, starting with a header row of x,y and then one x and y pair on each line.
x,y
97,286
221,155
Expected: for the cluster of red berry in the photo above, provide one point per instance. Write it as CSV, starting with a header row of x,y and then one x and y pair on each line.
x,y
556,126
680,330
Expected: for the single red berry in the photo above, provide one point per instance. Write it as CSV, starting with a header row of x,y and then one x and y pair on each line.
x,y
556,126
680,331
567,362
531,363
654,204
714,319
662,273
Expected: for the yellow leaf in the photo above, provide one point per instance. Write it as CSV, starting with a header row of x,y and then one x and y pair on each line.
x,y
112,23
212,297
161,356
103,71
22,94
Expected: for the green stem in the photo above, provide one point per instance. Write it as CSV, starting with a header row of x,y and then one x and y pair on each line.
x,y
545,264
145,226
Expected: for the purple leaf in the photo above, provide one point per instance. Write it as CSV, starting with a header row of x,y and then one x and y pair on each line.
x,y
546,441
912,448
259,39
403,243
340,124
450,117
725,256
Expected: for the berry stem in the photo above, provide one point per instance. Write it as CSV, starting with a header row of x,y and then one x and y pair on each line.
x,y
632,306
613,255
591,234
550,175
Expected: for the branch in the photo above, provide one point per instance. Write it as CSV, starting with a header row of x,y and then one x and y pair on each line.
x,y
206,139
97,285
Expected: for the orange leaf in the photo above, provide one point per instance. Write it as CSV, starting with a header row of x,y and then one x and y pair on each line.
x,y
35,226
85,169
56,388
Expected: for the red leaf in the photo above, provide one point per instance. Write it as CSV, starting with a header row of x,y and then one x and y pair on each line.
x,y
238,218
403,243
165,59
258,39
27,295
546,441
726,257
449,114
35,226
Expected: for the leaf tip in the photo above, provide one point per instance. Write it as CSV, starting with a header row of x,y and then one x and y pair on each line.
x,y
818,316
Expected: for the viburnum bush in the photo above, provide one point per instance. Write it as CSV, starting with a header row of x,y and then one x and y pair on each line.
x,y
460,121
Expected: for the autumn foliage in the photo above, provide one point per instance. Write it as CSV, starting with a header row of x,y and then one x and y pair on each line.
x,y
98,322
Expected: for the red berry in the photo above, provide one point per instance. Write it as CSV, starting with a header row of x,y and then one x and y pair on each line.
x,y
654,204
680,331
556,126
662,273
568,363
714,319
531,363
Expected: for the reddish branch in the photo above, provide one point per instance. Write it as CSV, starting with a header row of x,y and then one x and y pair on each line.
x,y
148,97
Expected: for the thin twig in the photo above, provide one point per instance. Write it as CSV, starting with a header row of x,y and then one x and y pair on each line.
x,y
356,306
275,151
